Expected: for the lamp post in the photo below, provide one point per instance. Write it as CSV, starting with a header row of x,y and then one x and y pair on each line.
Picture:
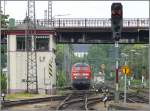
x,y
143,65
125,75
132,52
137,54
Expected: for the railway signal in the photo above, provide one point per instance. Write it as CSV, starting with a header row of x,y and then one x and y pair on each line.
x,y
116,20
116,26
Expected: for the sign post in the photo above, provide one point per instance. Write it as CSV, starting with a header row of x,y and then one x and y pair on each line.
x,y
125,71
125,88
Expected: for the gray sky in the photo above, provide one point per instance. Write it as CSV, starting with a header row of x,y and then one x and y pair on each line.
x,y
79,9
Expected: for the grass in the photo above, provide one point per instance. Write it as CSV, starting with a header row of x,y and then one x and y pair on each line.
x,y
20,96
61,92
135,83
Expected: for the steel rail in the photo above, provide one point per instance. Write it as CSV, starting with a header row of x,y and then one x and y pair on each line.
x,y
30,101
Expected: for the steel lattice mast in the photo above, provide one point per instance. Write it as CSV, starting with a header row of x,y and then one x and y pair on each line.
x,y
45,17
32,80
50,12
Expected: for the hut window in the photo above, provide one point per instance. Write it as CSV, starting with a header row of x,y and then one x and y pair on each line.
x,y
20,40
42,43
20,43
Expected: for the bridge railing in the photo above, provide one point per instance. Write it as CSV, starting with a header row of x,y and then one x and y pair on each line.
x,y
139,22
88,22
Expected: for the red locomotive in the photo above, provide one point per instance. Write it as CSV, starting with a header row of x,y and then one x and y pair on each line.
x,y
81,76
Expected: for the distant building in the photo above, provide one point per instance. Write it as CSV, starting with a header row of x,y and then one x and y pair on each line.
x,y
80,54
17,59
99,78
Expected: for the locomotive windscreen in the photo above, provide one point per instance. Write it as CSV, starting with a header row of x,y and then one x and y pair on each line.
x,y
81,65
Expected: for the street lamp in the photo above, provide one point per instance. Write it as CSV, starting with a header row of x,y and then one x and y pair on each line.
x,y
124,55
132,52
143,65
125,63
137,54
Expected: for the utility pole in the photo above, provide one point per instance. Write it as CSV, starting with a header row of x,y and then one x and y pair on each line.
x,y
125,82
32,78
45,18
125,70
149,55
4,6
116,25
0,36
50,12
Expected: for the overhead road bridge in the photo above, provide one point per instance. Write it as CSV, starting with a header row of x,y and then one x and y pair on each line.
x,y
94,30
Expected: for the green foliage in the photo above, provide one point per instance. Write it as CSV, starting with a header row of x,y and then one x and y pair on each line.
x,y
76,59
100,54
3,81
3,55
64,52
138,56
61,79
4,20
59,55
20,95
136,82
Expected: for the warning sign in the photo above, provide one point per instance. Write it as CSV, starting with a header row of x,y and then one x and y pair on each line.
x,y
125,70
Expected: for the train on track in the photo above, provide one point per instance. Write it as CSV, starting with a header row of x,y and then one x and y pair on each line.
x,y
81,76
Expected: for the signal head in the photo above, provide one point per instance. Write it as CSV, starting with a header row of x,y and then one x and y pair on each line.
x,y
116,10
116,20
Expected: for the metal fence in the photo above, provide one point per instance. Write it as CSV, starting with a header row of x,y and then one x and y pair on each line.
x,y
88,22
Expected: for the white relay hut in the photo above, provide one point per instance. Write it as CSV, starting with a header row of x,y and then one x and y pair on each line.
x,y
17,59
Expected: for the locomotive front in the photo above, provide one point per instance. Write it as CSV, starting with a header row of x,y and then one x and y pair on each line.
x,y
81,76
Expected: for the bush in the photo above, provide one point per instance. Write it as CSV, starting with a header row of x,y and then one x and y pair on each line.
x,y
3,80
61,79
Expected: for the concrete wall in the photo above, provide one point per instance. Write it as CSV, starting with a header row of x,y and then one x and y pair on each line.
x,y
18,67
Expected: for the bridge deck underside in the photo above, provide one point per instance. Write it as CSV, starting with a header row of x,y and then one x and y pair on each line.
x,y
101,35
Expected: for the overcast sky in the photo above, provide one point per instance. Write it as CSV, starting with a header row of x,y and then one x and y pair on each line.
x,y
79,9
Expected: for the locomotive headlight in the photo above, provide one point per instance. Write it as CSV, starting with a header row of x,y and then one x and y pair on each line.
x,y
85,74
75,74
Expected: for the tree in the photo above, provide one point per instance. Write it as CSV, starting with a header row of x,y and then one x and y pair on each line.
x,y
3,81
105,54
3,55
136,59
61,78
4,24
4,20
98,54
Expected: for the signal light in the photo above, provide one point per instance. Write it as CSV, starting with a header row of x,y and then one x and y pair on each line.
x,y
116,20
116,13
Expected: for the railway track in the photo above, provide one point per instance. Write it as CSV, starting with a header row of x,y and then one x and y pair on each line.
x,y
138,98
30,101
79,101
135,98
